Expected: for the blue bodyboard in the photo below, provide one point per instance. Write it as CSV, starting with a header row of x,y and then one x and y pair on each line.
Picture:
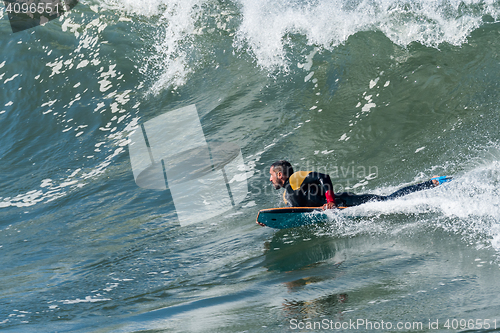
x,y
291,217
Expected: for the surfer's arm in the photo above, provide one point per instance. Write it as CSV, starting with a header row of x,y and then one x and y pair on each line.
x,y
328,186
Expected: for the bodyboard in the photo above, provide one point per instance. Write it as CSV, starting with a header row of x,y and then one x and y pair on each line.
x,y
291,217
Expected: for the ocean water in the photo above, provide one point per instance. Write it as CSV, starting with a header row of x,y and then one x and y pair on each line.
x,y
380,94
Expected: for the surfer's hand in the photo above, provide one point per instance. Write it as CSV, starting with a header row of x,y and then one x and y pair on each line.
x,y
329,205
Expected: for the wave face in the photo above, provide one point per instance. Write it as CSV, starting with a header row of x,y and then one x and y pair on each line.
x,y
275,33
378,94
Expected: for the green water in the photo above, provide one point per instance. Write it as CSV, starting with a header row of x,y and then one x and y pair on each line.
x,y
378,94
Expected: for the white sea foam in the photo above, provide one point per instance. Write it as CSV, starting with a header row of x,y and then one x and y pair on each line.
x,y
175,22
328,23
88,299
264,28
468,206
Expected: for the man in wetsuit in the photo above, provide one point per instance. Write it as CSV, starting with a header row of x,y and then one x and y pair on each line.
x,y
314,189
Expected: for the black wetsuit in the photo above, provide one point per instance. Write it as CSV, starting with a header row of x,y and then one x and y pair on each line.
x,y
347,199
307,189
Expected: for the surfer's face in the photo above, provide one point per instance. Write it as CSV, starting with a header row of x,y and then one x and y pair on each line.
x,y
276,178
